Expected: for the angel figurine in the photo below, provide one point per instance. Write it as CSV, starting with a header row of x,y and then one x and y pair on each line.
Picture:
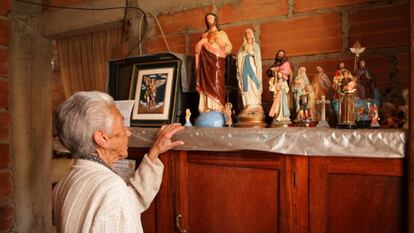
x,y
151,91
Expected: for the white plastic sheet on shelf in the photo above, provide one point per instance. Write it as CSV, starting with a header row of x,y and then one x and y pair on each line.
x,y
371,143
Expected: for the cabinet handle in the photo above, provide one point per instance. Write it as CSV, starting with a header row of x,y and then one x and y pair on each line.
x,y
177,222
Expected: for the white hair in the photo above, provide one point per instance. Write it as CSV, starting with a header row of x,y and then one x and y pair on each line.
x,y
80,116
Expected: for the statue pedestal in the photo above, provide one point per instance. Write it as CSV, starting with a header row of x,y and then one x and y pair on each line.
x,y
251,122
322,124
278,124
252,118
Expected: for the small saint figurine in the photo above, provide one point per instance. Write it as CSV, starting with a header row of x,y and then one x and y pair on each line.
x,y
311,103
281,64
322,87
303,112
280,109
402,114
187,118
346,92
337,79
227,114
298,89
389,118
249,75
373,115
366,81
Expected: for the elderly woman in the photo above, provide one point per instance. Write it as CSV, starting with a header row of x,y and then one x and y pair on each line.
x,y
92,198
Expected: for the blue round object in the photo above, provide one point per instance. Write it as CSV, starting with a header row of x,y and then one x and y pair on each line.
x,y
210,120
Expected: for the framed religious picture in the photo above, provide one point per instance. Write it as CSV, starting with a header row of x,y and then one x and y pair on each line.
x,y
154,91
153,83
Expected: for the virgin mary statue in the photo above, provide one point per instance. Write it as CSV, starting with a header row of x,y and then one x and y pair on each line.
x,y
249,75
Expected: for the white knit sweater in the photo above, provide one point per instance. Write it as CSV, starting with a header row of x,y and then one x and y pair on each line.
x,y
92,198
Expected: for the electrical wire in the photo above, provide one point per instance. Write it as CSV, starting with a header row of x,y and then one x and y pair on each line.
x,y
144,17
139,34
162,31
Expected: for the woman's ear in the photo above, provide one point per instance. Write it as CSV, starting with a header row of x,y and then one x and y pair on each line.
x,y
100,138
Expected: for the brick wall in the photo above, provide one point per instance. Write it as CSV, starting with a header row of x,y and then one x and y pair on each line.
x,y
312,32
6,178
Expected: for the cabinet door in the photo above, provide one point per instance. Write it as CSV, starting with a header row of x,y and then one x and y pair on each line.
x,y
235,192
352,195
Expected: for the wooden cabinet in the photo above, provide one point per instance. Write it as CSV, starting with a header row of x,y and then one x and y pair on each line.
x,y
351,195
236,192
250,191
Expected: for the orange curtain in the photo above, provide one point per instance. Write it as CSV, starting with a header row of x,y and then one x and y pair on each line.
x,y
83,60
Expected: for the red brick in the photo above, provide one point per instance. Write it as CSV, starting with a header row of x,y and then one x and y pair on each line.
x,y
377,64
4,93
4,71
4,32
176,43
236,35
302,36
4,125
252,9
178,22
6,218
193,38
387,26
5,7
308,5
3,62
6,184
4,156
3,55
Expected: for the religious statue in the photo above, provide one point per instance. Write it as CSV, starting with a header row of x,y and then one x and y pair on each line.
x,y
346,92
303,111
404,110
366,81
322,87
227,114
373,115
210,53
187,118
311,102
298,89
281,64
280,109
249,75
337,79
389,116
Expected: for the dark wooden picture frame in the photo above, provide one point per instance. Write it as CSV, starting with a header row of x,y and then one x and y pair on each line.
x,y
130,78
